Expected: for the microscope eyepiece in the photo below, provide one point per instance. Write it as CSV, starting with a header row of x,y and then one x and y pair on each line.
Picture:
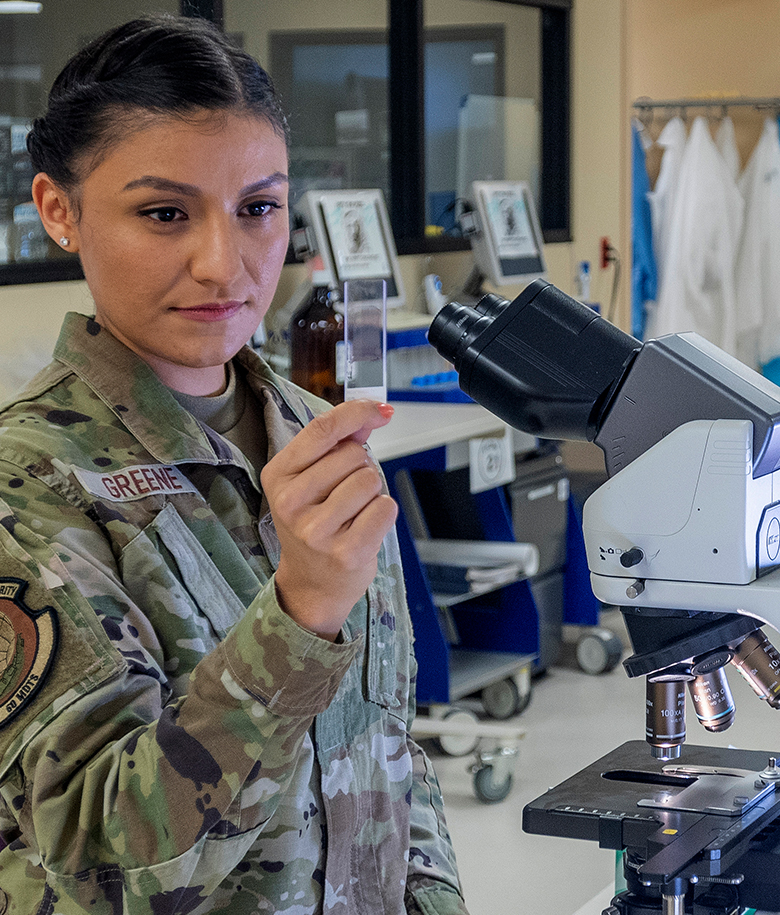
x,y
544,363
491,305
459,328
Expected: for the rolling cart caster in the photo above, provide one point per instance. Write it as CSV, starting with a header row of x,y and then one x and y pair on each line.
x,y
503,699
458,744
493,774
598,651
458,731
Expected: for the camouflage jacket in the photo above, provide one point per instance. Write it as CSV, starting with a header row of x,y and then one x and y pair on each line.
x,y
170,740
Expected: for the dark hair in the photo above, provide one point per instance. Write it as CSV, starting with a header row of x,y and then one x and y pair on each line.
x,y
155,65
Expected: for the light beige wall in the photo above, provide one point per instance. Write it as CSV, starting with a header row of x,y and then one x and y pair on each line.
x,y
703,47
31,317
32,314
598,145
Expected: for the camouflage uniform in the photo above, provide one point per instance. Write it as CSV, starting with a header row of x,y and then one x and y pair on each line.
x,y
170,740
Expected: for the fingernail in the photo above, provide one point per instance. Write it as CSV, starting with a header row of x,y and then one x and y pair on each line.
x,y
385,409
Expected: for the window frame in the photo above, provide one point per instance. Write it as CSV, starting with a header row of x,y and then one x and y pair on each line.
x,y
407,128
407,134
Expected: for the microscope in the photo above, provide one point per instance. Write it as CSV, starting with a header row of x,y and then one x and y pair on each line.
x,y
684,537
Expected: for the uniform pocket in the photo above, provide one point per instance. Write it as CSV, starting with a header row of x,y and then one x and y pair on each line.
x,y
214,596
173,579
382,669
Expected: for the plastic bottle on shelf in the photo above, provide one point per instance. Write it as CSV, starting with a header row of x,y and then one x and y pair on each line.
x,y
583,282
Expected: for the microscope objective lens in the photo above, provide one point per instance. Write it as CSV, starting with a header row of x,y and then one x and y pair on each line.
x,y
712,700
757,659
665,718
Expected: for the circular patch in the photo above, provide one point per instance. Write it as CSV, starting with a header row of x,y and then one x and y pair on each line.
x,y
28,640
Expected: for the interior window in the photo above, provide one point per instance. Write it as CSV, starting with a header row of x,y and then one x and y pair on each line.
x,y
492,103
334,86
494,96
36,39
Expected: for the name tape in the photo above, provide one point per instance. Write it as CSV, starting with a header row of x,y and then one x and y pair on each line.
x,y
132,483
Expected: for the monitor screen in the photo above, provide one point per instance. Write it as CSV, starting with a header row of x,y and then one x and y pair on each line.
x,y
353,235
508,248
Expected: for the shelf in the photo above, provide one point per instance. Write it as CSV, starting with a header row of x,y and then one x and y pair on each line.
x,y
417,427
471,671
494,564
446,599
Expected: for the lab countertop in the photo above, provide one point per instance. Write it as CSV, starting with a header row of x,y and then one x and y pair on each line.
x,y
418,427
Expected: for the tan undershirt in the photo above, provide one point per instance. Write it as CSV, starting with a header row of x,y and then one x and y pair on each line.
x,y
236,414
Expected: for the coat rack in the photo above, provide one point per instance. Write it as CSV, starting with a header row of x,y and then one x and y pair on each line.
x,y
645,106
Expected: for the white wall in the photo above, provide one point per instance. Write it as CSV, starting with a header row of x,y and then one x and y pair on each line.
x,y
31,316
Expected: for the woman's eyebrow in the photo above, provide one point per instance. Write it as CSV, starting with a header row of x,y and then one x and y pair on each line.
x,y
181,187
265,183
162,184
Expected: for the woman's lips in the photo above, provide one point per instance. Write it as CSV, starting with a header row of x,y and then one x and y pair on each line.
x,y
211,311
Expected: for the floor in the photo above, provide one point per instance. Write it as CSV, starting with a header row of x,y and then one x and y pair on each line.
x,y
573,719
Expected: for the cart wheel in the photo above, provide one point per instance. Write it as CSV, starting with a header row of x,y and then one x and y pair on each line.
x,y
599,651
457,745
524,701
502,700
487,789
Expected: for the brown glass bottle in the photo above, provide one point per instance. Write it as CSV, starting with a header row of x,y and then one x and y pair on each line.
x,y
316,346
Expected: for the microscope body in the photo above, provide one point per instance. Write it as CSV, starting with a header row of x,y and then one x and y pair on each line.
x,y
688,509
687,542
687,523
684,537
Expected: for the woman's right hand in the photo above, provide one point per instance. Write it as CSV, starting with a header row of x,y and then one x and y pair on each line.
x,y
330,513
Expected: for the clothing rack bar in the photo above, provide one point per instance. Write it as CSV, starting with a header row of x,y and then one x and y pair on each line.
x,y
725,102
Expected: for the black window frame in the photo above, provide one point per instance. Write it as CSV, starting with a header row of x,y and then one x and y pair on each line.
x,y
407,128
407,134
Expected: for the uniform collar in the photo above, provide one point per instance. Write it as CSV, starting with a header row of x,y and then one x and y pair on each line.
x,y
148,409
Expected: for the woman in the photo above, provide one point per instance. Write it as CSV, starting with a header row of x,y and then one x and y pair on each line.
x,y
206,678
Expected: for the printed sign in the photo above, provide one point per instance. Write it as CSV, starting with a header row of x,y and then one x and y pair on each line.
x,y
510,224
356,238
491,462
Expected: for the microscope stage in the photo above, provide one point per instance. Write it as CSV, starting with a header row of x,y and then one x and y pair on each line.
x,y
628,790
694,818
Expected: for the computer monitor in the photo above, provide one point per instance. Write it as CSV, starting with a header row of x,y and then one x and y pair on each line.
x,y
353,236
508,246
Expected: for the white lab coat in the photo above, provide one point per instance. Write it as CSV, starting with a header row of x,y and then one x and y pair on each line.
x,y
726,142
758,262
673,139
697,287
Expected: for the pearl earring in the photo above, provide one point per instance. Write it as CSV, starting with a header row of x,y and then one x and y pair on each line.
x,y
64,241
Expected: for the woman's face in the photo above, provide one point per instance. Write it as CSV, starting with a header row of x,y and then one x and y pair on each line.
x,y
182,231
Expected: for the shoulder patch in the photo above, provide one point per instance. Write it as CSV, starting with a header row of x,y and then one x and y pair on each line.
x,y
28,641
